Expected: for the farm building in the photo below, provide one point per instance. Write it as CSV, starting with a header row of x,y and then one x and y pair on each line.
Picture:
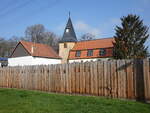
x,y
29,53
72,50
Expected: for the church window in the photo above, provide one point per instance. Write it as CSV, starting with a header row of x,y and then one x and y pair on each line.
x,y
65,45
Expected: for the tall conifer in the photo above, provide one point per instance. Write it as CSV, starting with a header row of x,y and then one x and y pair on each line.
x,y
130,38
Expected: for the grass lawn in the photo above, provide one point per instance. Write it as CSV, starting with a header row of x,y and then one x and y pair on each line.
x,y
20,101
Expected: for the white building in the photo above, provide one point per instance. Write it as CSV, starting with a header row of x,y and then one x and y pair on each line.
x,y
28,53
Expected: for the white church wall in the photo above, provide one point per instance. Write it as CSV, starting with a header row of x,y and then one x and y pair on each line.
x,y
87,60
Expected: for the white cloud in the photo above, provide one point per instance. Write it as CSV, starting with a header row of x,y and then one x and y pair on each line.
x,y
81,26
105,29
61,27
80,29
146,1
115,21
108,26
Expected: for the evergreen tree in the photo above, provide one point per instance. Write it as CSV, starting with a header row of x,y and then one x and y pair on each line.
x,y
130,38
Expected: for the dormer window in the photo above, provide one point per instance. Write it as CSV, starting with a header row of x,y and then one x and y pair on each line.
x,y
78,53
102,52
90,52
67,30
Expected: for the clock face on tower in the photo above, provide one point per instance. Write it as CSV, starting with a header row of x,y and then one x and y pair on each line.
x,y
67,30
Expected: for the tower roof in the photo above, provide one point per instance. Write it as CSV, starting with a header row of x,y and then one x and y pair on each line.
x,y
69,33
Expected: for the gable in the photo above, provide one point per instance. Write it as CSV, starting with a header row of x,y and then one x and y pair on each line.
x,y
40,50
20,51
34,49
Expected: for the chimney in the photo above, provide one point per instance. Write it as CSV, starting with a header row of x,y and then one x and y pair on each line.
x,y
32,49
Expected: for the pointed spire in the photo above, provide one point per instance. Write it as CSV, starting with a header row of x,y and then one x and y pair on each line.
x,y
69,14
69,33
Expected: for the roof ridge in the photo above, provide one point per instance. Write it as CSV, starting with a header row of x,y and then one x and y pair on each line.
x,y
34,42
95,39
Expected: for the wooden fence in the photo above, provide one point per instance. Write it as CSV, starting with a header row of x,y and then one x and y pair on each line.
x,y
129,79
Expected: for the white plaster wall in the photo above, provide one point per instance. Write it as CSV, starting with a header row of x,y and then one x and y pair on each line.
x,y
45,61
91,59
29,60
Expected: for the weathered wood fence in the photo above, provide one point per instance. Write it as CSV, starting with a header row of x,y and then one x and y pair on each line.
x,y
129,79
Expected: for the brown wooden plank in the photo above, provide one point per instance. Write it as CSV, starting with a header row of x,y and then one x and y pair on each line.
x,y
101,76
91,78
67,77
105,79
130,83
64,78
122,79
70,77
146,79
87,78
119,79
81,78
77,78
96,78
113,79
109,79
73,80
148,66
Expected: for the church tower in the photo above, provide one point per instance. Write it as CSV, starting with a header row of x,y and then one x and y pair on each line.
x,y
67,42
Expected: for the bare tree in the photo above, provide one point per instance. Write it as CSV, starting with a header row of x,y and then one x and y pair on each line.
x,y
3,48
35,33
87,36
7,45
51,39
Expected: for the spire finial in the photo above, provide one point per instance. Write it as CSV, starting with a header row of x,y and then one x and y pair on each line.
x,y
69,14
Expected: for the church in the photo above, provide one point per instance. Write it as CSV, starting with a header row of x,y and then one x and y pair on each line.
x,y
70,50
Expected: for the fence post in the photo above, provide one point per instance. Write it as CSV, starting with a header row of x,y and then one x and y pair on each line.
x,y
146,69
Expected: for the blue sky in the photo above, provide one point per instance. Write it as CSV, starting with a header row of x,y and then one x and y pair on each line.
x,y
98,17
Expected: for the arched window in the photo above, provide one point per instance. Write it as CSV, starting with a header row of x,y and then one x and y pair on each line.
x,y
65,45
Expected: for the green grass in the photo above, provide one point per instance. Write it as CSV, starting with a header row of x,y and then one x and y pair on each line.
x,y
20,101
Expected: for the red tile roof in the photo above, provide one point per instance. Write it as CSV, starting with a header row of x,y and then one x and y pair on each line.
x,y
95,45
40,50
